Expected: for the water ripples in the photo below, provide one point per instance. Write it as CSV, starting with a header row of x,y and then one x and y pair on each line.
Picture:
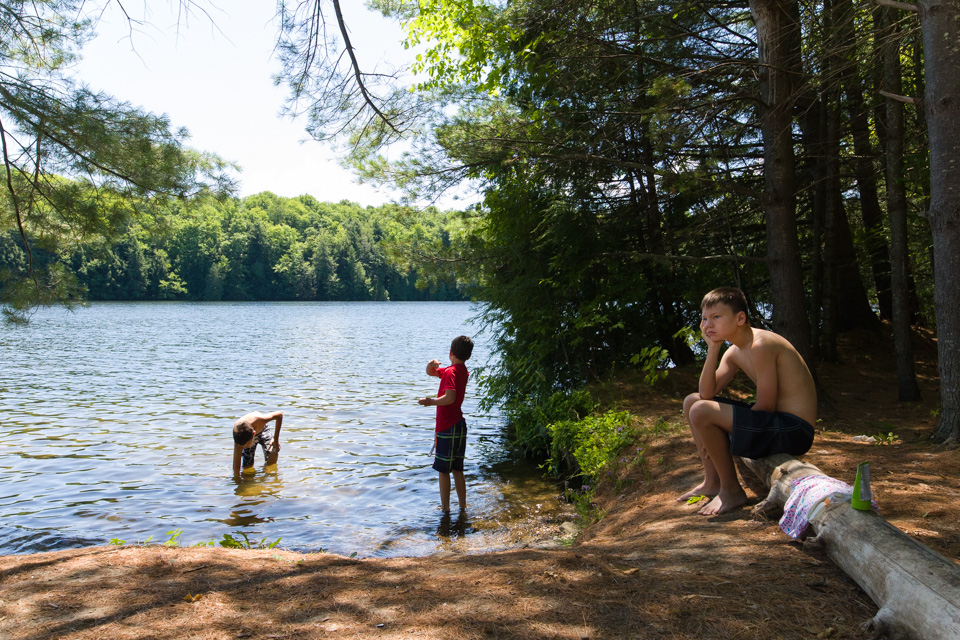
x,y
117,423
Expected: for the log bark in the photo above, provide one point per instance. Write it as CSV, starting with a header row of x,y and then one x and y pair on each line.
x,y
916,589
775,474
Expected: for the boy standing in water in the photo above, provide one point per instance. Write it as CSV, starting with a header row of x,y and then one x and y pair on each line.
x,y
248,432
451,432
780,421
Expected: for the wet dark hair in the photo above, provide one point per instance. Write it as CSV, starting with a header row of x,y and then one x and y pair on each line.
x,y
462,347
242,434
729,296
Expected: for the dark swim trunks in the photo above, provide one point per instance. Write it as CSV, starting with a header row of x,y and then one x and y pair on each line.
x,y
451,448
265,440
757,434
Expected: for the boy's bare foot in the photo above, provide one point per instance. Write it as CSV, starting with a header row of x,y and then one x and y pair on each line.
x,y
700,490
724,501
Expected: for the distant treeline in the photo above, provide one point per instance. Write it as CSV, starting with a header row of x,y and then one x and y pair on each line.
x,y
263,247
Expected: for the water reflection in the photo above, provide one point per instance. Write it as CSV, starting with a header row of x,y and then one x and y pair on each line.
x,y
254,488
454,526
118,423
242,516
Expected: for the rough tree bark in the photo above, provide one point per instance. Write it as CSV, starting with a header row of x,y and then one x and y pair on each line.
x,y
851,305
833,205
778,38
940,24
897,210
865,169
809,108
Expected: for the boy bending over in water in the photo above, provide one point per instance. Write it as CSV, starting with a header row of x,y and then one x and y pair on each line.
x,y
248,432
780,421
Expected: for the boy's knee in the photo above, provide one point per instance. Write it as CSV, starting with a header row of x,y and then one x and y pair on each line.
x,y
689,401
700,413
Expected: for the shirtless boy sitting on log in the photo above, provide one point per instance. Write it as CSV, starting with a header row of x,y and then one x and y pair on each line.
x,y
780,421
248,432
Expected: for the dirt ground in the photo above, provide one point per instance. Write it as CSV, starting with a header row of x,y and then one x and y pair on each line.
x,y
650,568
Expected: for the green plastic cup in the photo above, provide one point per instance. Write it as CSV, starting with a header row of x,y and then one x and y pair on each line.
x,y
862,496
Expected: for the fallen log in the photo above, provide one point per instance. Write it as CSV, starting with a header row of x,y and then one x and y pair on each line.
x,y
916,588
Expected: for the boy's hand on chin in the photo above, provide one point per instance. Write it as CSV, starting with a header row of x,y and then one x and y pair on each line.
x,y
711,343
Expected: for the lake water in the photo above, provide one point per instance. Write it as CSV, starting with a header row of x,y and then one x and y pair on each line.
x,y
115,423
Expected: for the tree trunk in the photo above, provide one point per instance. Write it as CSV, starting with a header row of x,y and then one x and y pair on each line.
x,y
870,209
832,206
907,387
813,141
851,304
914,40
940,22
864,165
778,37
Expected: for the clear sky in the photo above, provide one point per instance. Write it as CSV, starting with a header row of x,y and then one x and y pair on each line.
x,y
215,79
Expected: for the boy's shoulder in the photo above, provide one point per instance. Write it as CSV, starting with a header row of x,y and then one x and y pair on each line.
x,y
245,419
768,340
763,344
253,419
455,374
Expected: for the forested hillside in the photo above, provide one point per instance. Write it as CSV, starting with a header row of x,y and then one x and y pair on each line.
x,y
262,247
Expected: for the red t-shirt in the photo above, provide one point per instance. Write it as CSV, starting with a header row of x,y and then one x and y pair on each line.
x,y
452,377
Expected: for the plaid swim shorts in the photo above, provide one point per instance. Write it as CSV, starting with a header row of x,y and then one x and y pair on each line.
x,y
265,440
451,448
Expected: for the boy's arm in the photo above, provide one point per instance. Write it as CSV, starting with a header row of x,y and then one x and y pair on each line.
x,y
764,358
278,416
274,452
714,378
432,368
237,452
449,397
